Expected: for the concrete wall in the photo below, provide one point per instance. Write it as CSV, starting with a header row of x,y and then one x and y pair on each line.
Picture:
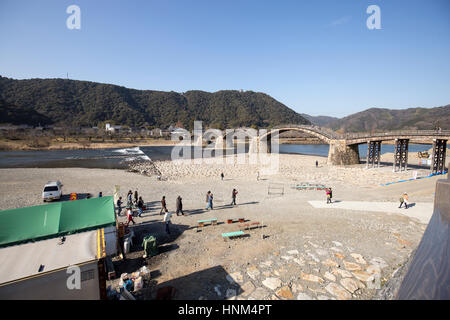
x,y
53,286
428,276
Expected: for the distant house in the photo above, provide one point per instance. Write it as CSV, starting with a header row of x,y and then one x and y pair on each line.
x,y
177,131
112,128
156,132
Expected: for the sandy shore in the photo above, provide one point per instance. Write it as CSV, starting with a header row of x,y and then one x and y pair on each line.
x,y
294,168
306,252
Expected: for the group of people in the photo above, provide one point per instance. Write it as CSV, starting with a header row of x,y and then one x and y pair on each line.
x,y
210,198
179,206
139,203
403,199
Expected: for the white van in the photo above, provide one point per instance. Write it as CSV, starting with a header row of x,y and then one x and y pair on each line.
x,y
52,191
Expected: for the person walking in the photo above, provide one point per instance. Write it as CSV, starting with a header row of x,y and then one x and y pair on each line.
x,y
233,197
210,202
119,206
207,199
257,175
130,198
100,194
163,205
222,176
331,195
140,205
130,216
166,219
179,206
317,164
327,191
401,201
404,197
136,198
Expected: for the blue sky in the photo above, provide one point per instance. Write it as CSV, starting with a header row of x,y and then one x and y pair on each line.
x,y
317,57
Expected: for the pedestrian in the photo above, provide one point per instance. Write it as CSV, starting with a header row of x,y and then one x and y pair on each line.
x,y
119,206
100,194
327,191
257,175
210,202
179,206
130,216
405,200
221,176
140,205
136,198
166,219
401,201
207,199
331,195
233,197
130,198
163,205
317,164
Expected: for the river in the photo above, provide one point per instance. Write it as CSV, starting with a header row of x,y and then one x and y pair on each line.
x,y
118,158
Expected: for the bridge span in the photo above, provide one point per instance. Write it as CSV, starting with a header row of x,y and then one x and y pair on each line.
x,y
344,147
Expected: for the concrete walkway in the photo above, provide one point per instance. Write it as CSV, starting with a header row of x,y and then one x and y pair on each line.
x,y
421,211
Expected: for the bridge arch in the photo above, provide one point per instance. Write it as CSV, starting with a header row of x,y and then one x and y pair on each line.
x,y
317,132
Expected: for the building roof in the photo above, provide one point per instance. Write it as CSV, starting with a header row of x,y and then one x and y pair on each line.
x,y
55,220
22,261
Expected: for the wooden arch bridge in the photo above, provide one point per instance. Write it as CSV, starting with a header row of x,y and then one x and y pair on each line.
x,y
344,148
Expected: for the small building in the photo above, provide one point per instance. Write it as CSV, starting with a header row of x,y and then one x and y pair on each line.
x,y
112,128
40,270
38,244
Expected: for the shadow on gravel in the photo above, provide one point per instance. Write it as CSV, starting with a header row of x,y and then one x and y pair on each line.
x,y
205,283
80,196
134,259
390,164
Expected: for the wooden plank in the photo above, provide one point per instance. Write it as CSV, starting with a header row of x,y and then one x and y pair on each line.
x,y
207,220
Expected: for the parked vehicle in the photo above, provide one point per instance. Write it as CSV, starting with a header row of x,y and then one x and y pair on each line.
x,y
52,191
424,154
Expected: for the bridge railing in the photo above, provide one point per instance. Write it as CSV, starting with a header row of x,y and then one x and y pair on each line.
x,y
326,132
330,134
434,133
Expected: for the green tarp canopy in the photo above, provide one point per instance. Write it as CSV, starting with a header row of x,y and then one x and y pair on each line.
x,y
55,220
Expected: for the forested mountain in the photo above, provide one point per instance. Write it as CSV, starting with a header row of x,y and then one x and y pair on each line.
x,y
376,119
21,115
81,103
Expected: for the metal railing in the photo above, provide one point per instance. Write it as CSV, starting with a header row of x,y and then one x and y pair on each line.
x,y
422,133
333,135
326,132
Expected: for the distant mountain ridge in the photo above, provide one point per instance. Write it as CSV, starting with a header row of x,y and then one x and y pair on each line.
x,y
321,121
82,103
379,119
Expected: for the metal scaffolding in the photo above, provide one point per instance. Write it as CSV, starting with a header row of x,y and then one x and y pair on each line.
x,y
373,154
438,161
401,155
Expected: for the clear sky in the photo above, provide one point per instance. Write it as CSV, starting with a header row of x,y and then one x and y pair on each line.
x,y
317,57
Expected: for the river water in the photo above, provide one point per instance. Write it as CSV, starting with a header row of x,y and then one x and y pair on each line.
x,y
118,158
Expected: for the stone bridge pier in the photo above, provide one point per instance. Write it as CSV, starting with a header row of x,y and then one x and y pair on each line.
x,y
342,154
